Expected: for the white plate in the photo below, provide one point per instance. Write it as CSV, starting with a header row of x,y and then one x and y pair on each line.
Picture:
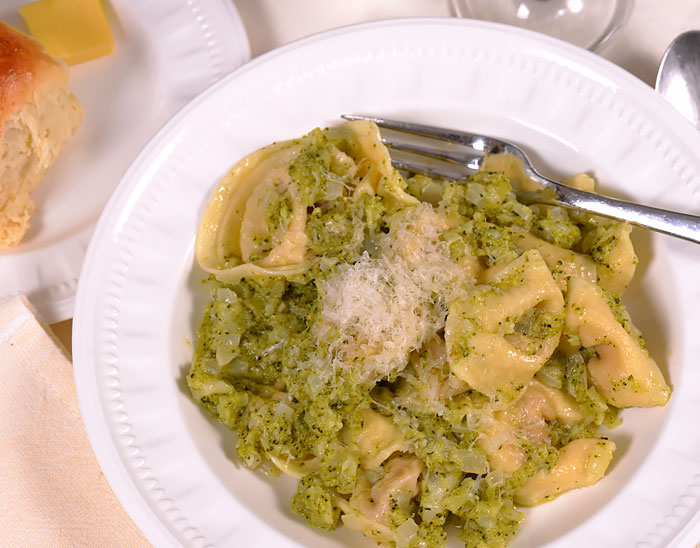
x,y
138,300
166,52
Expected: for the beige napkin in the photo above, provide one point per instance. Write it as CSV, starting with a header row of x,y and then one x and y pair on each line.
x,y
52,491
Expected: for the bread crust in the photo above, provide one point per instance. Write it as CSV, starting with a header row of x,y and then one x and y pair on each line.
x,y
25,68
38,116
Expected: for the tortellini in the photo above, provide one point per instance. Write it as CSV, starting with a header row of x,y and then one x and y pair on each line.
x,y
254,224
487,346
615,258
581,463
415,352
528,418
623,370
563,263
612,260
233,239
368,509
376,441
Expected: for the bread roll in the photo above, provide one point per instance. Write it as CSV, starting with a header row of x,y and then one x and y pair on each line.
x,y
38,116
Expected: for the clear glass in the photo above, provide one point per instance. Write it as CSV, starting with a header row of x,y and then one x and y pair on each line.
x,y
590,24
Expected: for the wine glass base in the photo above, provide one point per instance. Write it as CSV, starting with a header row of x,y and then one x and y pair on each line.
x,y
590,24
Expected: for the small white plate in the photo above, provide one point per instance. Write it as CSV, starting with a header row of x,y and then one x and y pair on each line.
x,y
166,52
138,302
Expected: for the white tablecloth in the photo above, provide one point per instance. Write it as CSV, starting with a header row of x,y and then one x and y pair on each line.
x,y
638,47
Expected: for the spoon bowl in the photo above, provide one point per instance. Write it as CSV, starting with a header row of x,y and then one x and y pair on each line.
x,y
678,79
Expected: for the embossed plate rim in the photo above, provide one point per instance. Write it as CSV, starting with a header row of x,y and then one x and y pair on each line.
x,y
111,354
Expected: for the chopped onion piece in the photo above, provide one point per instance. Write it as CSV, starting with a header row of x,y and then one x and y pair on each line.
x,y
405,533
472,462
226,295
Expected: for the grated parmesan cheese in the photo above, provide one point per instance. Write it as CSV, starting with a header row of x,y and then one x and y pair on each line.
x,y
378,310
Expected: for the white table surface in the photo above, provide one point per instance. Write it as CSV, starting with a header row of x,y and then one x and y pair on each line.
x,y
638,47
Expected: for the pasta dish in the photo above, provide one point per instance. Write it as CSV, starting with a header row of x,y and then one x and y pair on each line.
x,y
416,352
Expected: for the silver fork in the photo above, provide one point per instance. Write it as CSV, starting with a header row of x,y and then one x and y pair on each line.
x,y
453,154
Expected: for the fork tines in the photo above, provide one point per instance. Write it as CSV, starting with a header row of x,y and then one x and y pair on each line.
x,y
425,149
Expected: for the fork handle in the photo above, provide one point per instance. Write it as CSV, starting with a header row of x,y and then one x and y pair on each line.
x,y
672,223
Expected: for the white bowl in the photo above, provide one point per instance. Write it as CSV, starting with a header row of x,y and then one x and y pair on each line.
x,y
138,303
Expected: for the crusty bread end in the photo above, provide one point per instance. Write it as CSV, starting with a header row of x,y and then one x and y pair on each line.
x,y
38,116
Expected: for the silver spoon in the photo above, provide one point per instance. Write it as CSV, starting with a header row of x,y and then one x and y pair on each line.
x,y
678,79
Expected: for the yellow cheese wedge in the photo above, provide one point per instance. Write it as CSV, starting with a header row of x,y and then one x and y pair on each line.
x,y
74,31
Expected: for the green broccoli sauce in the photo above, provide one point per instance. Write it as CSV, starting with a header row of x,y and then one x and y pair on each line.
x,y
488,193
254,365
556,227
278,214
571,374
347,222
314,501
602,250
479,238
312,171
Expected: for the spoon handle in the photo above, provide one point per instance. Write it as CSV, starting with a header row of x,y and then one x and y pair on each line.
x,y
680,225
